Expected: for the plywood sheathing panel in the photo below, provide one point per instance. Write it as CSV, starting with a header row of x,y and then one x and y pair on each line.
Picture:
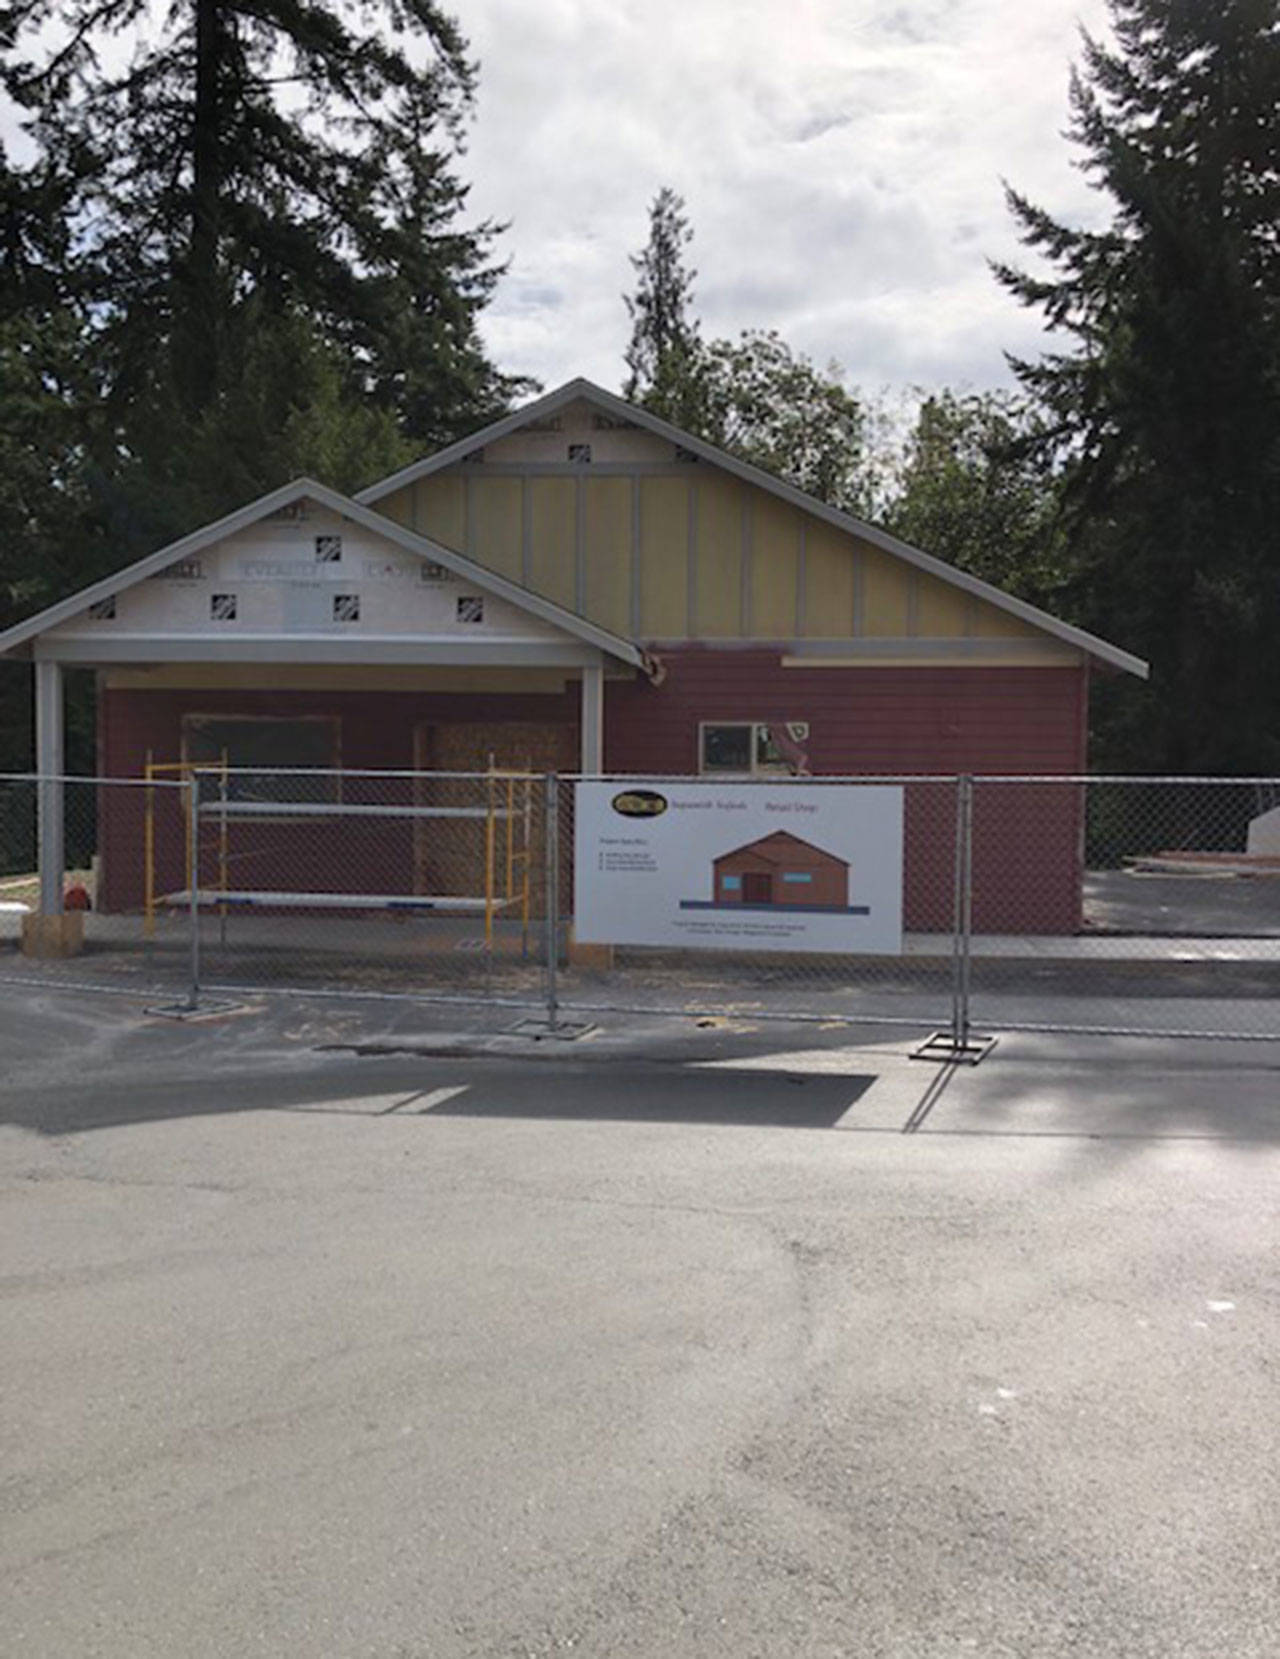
x,y
664,558
552,559
496,531
606,521
775,552
718,582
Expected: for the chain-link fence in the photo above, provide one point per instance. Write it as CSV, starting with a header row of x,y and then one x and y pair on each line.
x,y
94,832
1109,905
912,984
1163,896
405,884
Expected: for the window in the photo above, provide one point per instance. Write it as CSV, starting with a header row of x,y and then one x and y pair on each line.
x,y
103,610
470,608
248,741
580,453
346,607
222,607
328,550
751,747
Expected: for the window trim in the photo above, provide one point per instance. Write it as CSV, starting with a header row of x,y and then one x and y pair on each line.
x,y
755,770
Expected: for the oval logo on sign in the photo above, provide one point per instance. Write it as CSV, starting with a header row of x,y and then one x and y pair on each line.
x,y
640,803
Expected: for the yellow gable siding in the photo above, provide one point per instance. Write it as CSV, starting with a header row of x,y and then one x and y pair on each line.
x,y
497,539
989,623
399,506
831,565
775,554
941,611
440,509
886,595
718,518
553,539
607,555
618,548
664,558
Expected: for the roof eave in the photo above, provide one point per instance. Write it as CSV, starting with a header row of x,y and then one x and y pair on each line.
x,y
1098,649
22,634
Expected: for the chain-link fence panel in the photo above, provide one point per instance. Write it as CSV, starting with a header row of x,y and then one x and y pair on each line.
x,y
75,905
1119,905
404,883
737,902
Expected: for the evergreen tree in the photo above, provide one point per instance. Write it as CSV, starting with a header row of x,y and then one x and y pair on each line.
x,y
252,153
772,406
1165,406
239,255
752,396
664,357
972,490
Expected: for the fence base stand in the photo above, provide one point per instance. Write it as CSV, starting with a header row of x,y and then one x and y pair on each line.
x,y
205,1009
947,1048
563,1031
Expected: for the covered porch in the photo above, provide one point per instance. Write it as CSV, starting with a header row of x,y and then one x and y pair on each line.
x,y
306,634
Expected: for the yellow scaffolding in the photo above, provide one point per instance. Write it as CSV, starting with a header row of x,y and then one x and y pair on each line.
x,y
508,822
183,770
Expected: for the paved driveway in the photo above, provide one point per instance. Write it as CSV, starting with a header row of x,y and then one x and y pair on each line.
x,y
681,1344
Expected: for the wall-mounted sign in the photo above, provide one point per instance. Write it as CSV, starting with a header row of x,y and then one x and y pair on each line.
x,y
719,865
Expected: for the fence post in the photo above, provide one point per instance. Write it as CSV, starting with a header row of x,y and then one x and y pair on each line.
x,y
962,913
551,896
966,914
193,889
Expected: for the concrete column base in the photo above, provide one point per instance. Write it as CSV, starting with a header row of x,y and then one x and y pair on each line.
x,y
53,936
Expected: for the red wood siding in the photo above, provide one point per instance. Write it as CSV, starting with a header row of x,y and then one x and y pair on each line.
x,y
862,721
1027,858
376,732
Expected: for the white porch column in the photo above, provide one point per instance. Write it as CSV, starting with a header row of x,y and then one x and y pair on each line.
x,y
50,764
593,718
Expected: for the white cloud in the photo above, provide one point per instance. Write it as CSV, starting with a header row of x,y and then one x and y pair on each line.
x,y
841,161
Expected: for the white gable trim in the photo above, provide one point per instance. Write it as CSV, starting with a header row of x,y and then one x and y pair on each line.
x,y
421,547
573,390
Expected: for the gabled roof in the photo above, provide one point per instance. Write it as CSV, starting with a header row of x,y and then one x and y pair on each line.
x,y
307,489
775,846
618,407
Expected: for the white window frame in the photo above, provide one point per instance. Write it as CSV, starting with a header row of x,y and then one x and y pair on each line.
x,y
757,769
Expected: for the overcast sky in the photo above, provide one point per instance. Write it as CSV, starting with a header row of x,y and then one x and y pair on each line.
x,y
841,161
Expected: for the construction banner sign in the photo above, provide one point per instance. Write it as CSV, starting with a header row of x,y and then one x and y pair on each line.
x,y
722,865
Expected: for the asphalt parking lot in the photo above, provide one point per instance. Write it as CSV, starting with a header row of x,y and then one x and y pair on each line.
x,y
329,1339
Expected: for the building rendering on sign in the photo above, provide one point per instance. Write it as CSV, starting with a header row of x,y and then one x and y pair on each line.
x,y
582,587
781,869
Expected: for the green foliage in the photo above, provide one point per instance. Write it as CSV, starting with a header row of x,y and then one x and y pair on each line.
x,y
664,357
1165,410
238,256
974,490
290,409
299,158
772,406
752,396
